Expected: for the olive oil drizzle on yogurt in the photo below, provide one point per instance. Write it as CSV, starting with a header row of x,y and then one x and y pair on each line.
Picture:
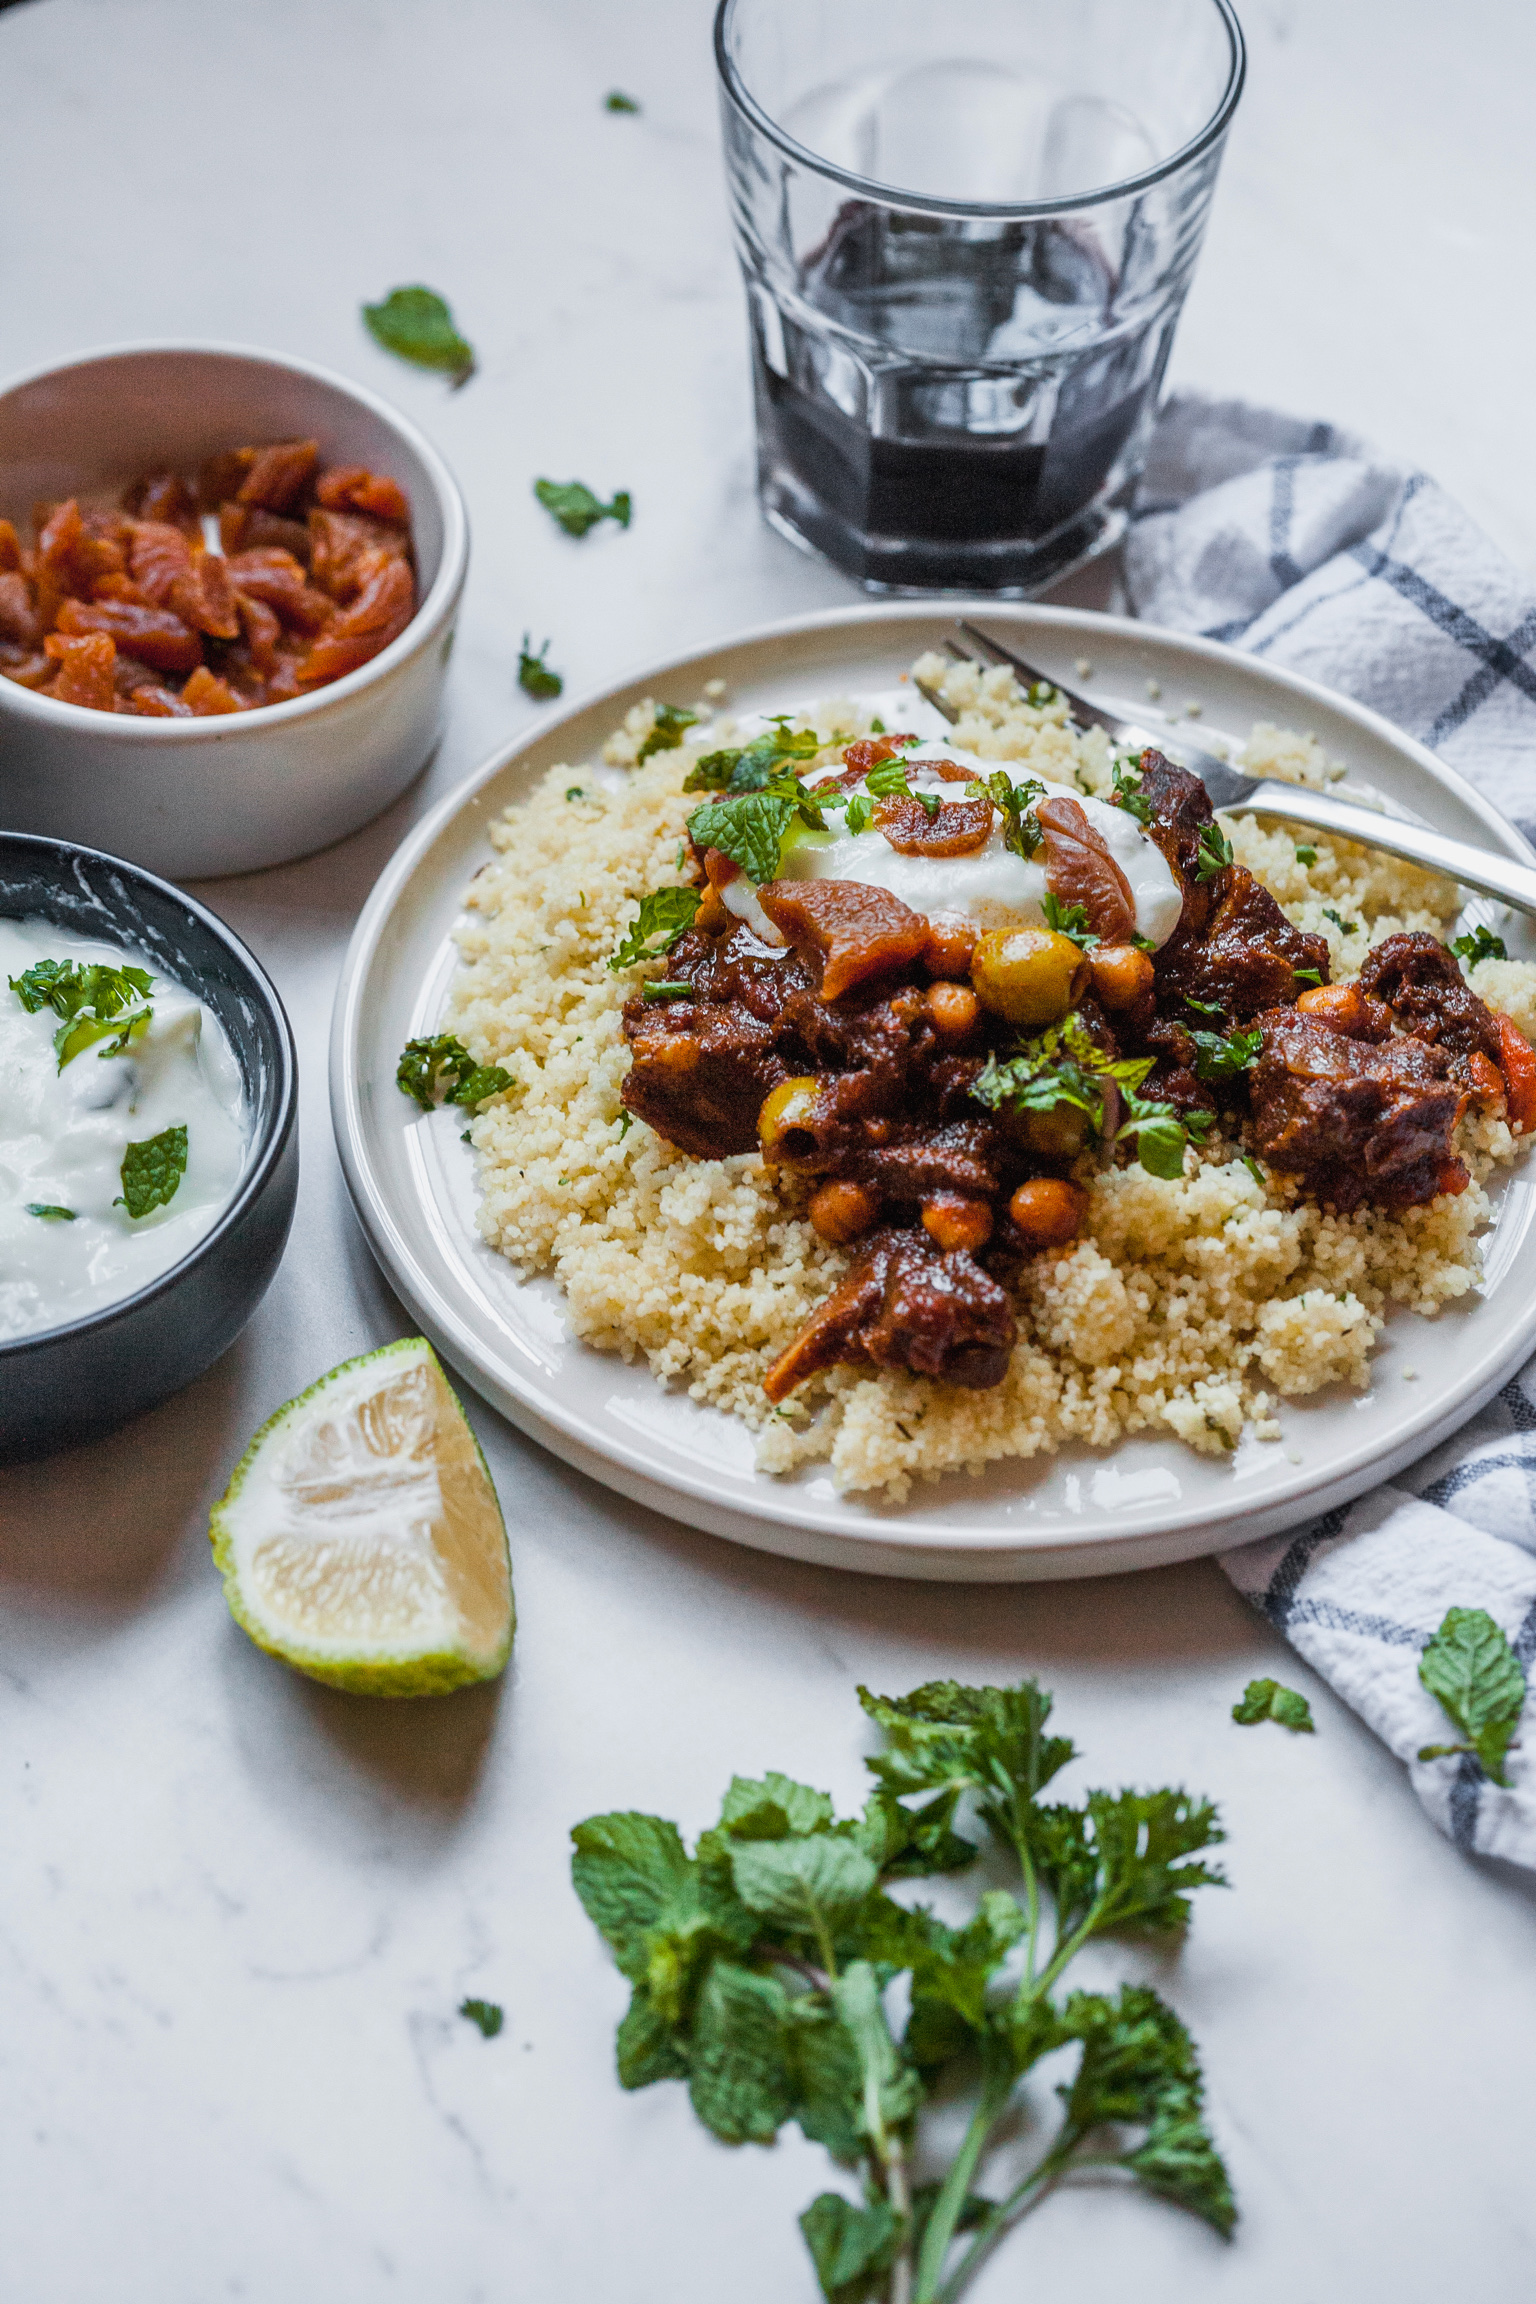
x,y
92,1112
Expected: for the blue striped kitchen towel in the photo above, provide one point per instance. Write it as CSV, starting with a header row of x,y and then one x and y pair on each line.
x,y
1300,543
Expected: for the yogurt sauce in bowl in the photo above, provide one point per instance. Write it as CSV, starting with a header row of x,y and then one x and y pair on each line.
x,y
69,1243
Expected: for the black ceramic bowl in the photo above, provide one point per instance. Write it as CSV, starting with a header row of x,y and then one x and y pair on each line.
x,y
66,1384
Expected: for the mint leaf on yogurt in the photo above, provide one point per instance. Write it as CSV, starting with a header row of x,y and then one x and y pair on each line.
x,y
42,1208
152,1171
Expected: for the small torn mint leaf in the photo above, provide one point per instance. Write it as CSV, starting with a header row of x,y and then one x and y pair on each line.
x,y
442,1070
573,505
1271,1700
667,730
152,1171
1481,944
485,2015
665,916
534,676
415,324
44,1208
1474,1675
617,101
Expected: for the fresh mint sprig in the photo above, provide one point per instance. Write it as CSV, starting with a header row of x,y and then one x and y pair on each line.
x,y
748,767
1474,1675
572,504
761,1967
96,1002
1065,1065
664,917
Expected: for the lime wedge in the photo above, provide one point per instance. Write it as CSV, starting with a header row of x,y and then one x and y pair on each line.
x,y
360,1538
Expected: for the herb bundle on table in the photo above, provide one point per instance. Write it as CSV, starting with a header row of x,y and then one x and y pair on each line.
x,y
761,1969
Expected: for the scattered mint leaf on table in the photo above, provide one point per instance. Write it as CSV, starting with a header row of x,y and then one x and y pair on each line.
x,y
416,325
665,916
442,1070
1482,944
535,678
485,2014
1473,1674
617,101
762,1963
573,505
43,1208
152,1171
1270,1700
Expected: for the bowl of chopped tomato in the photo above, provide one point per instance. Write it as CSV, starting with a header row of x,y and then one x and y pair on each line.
x,y
228,586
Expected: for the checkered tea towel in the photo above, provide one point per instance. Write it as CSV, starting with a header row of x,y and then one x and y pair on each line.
x,y
1303,545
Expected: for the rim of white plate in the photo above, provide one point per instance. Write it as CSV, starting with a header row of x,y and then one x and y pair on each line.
x,y
909,1539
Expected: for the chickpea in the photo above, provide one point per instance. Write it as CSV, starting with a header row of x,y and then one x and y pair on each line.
x,y
1121,976
787,1119
955,1222
1049,1211
1030,976
953,1009
949,949
673,1052
840,1212
1345,1008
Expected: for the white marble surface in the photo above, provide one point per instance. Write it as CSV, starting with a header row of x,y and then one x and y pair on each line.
x,y
236,1912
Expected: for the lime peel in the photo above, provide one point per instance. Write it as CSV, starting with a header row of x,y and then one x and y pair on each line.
x,y
360,1538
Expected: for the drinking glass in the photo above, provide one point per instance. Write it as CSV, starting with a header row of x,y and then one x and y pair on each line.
x,y
967,228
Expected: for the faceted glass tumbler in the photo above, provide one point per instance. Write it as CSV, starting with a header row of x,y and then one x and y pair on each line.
x,y
967,231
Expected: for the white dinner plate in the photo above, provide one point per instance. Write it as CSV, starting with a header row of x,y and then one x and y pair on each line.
x,y
1082,1511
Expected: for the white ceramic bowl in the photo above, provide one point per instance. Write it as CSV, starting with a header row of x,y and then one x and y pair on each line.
x,y
195,798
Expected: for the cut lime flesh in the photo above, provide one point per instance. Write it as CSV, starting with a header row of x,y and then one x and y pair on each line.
x,y
360,1538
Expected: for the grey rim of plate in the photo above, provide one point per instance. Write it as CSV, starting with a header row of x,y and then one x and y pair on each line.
x,y
1080,1512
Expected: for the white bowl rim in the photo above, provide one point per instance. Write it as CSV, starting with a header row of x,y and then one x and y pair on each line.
x,y
422,629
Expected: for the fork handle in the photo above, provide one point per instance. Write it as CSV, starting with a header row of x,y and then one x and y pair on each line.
x,y
1481,868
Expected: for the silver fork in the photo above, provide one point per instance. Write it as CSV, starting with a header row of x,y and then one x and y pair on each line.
x,y
1480,868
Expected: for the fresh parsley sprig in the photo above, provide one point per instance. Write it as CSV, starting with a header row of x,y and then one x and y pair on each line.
x,y
664,917
760,1967
1128,794
1481,944
1213,853
1065,1065
1069,920
1022,833
96,1002
442,1070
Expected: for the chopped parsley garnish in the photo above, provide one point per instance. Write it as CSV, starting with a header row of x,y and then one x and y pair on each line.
x,y
617,101
1271,1700
575,792
1070,920
1306,856
1065,1065
1128,794
1474,1675
1482,944
535,678
416,325
1214,853
442,1070
43,1208
672,988
1222,1056
665,915
151,1171
772,1970
1022,834
1142,943
96,1002
1254,1170
485,2015
667,730
1041,694
877,727
573,504
1204,1007
626,1122
1344,927
748,767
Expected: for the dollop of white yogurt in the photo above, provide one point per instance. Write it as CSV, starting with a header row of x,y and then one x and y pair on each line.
x,y
988,888
63,1135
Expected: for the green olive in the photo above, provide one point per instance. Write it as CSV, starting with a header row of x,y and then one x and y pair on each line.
x,y
1031,976
788,1118
1059,1134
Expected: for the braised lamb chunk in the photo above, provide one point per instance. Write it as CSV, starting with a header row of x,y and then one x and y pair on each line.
x,y
1422,983
904,1303
1355,1120
702,1066
1173,1079
1181,809
1246,959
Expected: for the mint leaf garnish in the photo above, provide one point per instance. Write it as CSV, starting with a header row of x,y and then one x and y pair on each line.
x,y
748,767
748,827
665,916
43,1208
1222,1056
1473,1674
534,676
96,1001
485,2014
1069,920
573,505
667,730
416,325
1270,1700
152,1171
442,1070
1344,927
617,101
